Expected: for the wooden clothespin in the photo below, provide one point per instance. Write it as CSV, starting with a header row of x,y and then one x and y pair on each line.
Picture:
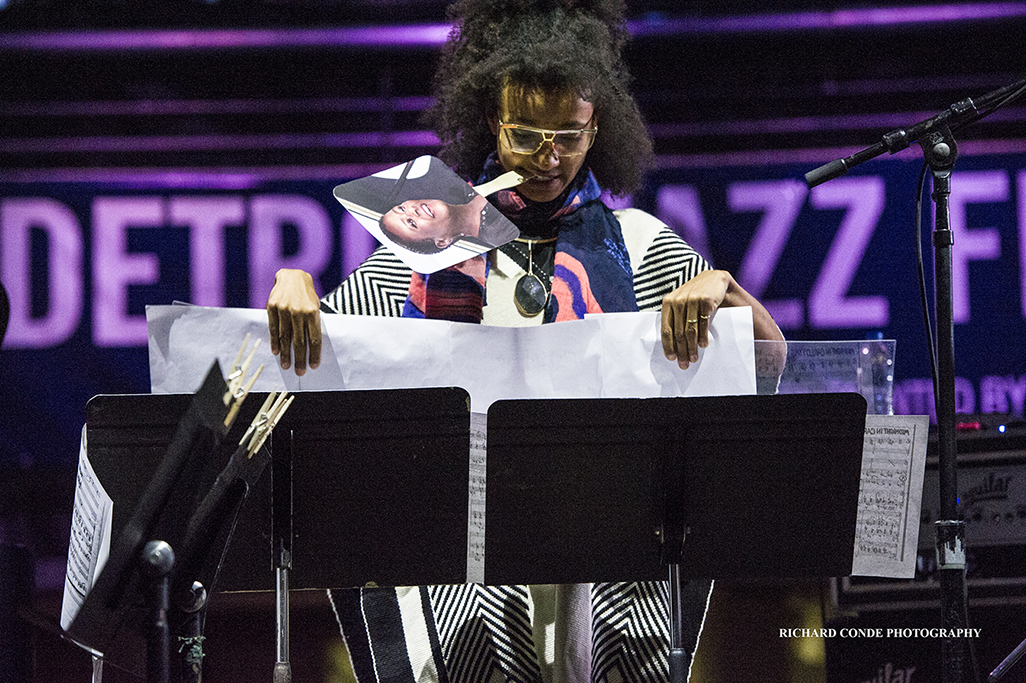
x,y
264,422
237,387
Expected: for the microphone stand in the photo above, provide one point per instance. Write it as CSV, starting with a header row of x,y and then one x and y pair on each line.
x,y
941,152
934,136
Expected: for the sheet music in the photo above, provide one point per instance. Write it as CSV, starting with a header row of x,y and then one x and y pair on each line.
x,y
890,495
476,513
89,547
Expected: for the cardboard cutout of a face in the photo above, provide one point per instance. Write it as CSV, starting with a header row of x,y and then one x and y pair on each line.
x,y
426,214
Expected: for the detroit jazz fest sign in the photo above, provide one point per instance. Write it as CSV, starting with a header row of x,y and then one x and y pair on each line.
x,y
81,260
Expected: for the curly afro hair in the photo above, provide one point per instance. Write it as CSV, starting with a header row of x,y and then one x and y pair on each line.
x,y
548,45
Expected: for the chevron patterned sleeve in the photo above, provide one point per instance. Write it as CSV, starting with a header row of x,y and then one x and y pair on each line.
x,y
379,286
668,263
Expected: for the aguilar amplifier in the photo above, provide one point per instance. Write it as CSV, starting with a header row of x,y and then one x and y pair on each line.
x,y
892,625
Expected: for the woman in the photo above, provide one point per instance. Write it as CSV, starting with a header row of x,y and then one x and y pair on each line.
x,y
538,87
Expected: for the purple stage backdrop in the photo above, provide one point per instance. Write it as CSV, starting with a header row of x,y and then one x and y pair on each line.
x,y
81,260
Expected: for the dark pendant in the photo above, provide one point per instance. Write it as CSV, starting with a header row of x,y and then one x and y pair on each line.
x,y
530,296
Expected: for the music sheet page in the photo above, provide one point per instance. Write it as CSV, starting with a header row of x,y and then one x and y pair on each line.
x,y
476,512
890,496
89,547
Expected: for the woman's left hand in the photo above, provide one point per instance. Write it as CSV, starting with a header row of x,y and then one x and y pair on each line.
x,y
686,313
687,310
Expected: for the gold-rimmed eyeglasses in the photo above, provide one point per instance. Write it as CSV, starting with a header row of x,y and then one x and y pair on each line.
x,y
527,140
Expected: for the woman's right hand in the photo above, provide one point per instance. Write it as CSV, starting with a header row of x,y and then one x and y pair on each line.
x,y
294,319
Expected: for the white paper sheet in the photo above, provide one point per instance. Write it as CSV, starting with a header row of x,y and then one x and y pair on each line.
x,y
89,546
890,495
476,498
185,340
638,337
609,356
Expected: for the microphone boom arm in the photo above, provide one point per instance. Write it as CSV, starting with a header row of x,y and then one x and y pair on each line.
x,y
957,115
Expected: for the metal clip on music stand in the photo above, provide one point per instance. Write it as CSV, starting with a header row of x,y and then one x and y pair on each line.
x,y
610,490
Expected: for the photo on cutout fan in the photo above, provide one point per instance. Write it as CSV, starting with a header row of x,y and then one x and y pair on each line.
x,y
426,214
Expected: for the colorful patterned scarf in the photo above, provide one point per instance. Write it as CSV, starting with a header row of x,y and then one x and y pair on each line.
x,y
592,268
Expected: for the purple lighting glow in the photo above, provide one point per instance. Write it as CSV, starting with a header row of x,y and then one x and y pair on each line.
x,y
172,143
837,19
422,35
433,35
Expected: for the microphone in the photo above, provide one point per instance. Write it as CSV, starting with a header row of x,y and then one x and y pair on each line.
x,y
957,115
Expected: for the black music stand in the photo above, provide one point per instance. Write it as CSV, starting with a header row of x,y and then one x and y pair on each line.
x,y
364,467
126,610
608,490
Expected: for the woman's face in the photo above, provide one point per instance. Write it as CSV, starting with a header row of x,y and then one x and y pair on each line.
x,y
549,173
420,219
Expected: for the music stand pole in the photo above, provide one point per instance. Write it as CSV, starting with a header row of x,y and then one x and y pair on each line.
x,y
156,561
679,659
281,541
672,537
